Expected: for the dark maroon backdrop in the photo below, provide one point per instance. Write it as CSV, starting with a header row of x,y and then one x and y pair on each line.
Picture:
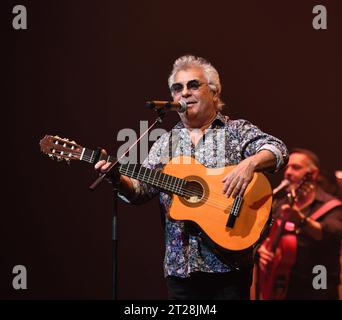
x,y
84,69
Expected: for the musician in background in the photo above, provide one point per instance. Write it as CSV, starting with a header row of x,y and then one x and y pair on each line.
x,y
193,269
317,235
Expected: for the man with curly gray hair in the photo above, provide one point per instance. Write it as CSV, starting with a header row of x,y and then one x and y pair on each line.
x,y
194,269
211,74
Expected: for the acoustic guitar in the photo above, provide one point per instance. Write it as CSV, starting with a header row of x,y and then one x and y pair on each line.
x,y
232,224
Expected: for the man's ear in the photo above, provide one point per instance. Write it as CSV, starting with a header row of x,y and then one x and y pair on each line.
x,y
215,96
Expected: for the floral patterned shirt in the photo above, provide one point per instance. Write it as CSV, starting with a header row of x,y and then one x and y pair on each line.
x,y
225,142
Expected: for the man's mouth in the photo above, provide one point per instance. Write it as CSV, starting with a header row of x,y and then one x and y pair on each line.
x,y
190,103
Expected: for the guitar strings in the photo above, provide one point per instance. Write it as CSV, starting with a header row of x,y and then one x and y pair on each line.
x,y
215,203
184,192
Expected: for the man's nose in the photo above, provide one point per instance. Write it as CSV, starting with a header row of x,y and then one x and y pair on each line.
x,y
287,174
186,92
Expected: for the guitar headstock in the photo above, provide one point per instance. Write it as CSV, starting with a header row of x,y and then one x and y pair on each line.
x,y
302,190
60,149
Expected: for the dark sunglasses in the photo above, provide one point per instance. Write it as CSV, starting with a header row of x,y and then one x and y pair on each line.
x,y
191,85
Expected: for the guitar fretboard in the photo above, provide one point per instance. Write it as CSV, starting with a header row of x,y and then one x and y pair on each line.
x,y
138,172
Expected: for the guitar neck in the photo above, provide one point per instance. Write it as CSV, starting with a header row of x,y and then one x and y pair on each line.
x,y
291,196
153,177
275,241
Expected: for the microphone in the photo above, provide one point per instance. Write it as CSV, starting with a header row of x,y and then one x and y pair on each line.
x,y
180,106
281,186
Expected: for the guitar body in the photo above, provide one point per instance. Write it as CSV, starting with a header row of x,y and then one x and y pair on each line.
x,y
273,281
210,211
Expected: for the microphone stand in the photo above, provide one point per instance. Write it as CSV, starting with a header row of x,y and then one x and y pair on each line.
x,y
116,182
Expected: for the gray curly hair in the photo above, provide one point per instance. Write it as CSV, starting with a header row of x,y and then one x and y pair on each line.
x,y
213,78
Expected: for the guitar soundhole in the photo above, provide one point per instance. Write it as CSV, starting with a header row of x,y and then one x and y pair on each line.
x,y
193,191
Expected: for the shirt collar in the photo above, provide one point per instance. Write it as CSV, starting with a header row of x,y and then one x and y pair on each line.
x,y
219,121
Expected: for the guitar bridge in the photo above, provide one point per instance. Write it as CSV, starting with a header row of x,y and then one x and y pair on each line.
x,y
234,212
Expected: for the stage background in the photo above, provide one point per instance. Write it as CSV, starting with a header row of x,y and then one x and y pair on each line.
x,y
84,70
